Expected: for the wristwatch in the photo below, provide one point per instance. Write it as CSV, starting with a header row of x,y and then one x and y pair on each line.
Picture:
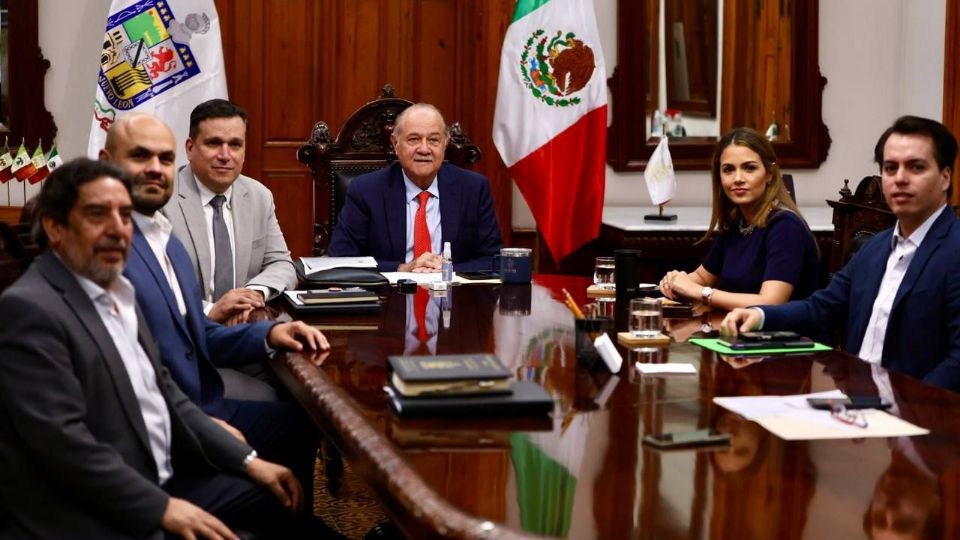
x,y
249,459
706,294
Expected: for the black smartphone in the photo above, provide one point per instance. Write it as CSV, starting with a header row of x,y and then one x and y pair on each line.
x,y
482,274
853,402
776,335
687,439
767,340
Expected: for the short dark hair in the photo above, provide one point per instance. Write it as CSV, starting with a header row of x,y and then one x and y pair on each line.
x,y
214,108
61,190
944,143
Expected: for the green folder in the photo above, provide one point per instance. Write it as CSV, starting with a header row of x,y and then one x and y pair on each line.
x,y
713,344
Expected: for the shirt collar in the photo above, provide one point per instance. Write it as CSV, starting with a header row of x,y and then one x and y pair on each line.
x,y
206,194
157,222
121,288
413,190
918,235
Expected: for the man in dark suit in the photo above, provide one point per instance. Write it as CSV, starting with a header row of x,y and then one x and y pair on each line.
x,y
191,345
402,215
900,294
96,440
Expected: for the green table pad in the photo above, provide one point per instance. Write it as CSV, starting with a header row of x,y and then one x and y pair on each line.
x,y
713,344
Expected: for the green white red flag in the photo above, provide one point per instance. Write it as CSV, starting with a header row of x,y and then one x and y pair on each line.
x,y
40,163
6,163
23,167
550,125
53,159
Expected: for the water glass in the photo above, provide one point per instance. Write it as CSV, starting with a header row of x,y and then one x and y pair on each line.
x,y
603,272
646,317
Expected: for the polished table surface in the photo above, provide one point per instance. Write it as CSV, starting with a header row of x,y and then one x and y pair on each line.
x,y
584,473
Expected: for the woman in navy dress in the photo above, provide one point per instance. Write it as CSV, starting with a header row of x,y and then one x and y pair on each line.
x,y
764,252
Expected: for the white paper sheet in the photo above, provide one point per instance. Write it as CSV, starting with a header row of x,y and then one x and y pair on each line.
x,y
666,369
791,418
316,264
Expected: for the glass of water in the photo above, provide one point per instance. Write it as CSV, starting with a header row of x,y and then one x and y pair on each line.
x,y
603,271
646,317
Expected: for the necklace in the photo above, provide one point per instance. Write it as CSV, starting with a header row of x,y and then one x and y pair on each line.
x,y
746,230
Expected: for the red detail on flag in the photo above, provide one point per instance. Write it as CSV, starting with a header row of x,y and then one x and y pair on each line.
x,y
563,183
41,173
6,175
26,171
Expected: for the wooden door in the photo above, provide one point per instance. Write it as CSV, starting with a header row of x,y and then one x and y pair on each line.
x,y
293,62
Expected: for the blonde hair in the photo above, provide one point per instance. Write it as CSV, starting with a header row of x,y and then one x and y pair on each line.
x,y
726,214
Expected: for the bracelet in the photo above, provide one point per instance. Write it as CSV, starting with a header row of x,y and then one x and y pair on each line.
x,y
249,459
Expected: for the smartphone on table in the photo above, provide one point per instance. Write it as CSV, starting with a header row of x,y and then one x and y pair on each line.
x,y
687,439
767,340
852,402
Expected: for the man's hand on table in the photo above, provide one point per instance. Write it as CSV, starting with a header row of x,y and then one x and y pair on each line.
x,y
296,336
740,320
428,262
235,306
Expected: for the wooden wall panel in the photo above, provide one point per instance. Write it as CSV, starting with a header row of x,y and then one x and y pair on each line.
x,y
951,82
291,63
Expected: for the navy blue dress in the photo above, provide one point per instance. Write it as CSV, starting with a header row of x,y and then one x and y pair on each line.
x,y
784,251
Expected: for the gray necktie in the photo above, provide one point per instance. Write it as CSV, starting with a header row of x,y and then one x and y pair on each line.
x,y
223,270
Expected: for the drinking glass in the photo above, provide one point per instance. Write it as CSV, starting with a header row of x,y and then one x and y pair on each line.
x,y
646,317
603,271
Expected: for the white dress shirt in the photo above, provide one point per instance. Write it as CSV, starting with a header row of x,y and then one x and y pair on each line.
x,y
116,307
433,215
431,318
157,230
206,195
871,349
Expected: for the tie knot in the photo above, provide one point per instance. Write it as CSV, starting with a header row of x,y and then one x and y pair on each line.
x,y
423,196
218,201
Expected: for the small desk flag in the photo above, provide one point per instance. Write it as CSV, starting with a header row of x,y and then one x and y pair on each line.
x,y
159,56
661,181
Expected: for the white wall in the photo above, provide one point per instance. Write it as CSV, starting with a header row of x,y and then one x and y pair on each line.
x,y
881,58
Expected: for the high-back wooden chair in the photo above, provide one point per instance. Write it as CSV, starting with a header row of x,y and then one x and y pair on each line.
x,y
857,216
363,145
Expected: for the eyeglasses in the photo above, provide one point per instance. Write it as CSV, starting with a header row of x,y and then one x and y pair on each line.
x,y
851,417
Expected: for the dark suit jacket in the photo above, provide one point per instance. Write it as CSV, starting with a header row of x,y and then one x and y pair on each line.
x,y
923,334
74,454
373,221
190,347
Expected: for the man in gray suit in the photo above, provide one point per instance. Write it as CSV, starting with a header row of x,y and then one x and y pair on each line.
x,y
96,440
227,221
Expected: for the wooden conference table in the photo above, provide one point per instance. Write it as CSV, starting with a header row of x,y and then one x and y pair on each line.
x,y
583,473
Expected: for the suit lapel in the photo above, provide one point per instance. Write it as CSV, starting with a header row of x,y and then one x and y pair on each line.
x,y
396,213
188,199
77,300
242,231
927,248
141,248
450,196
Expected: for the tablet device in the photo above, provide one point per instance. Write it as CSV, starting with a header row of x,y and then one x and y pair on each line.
x,y
852,402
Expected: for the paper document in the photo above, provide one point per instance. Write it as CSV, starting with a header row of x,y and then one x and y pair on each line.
x,y
791,418
666,369
316,264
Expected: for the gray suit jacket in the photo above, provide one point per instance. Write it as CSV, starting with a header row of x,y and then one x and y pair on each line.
x,y
75,459
262,257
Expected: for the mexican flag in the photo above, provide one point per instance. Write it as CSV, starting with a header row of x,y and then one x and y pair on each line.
x,y
23,167
6,163
550,125
53,159
162,57
40,163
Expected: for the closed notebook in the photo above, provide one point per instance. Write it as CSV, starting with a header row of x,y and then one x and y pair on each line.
x,y
335,295
449,374
525,399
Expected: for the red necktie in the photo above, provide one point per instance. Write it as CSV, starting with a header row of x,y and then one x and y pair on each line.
x,y
420,302
421,234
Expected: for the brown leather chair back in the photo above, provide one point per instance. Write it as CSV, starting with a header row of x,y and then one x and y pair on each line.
x,y
363,145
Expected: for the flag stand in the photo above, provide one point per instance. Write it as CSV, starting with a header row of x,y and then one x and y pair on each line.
x,y
661,217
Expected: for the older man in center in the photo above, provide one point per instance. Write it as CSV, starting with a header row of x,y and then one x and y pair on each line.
x,y
402,215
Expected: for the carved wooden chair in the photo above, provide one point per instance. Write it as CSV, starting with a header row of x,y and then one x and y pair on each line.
x,y
363,145
857,216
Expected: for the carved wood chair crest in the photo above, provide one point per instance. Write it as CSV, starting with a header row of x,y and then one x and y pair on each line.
x,y
363,145
857,216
